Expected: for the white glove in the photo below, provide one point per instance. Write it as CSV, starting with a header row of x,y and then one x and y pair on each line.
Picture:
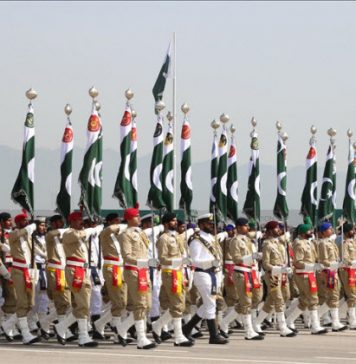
x,y
276,270
5,248
287,234
30,228
259,235
142,263
4,272
177,263
318,267
187,261
333,237
309,267
334,265
247,259
215,263
287,270
257,256
153,262
353,264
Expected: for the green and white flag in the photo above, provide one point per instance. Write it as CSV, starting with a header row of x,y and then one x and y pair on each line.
x,y
252,203
221,191
123,188
154,199
232,183
164,73
90,176
280,209
64,196
328,188
168,170
349,207
214,165
133,163
22,192
310,192
186,185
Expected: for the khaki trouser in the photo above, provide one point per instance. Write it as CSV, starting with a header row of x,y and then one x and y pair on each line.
x,y
294,291
274,299
174,302
188,302
194,295
307,299
286,290
25,297
81,297
61,299
117,295
257,294
350,292
137,302
231,296
9,294
332,295
321,287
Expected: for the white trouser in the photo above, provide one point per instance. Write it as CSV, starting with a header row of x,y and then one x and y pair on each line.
x,y
203,283
156,286
41,300
96,299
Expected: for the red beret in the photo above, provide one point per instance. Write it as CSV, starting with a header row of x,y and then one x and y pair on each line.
x,y
20,217
131,213
76,215
272,225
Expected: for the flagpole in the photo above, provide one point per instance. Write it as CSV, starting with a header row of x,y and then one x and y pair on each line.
x,y
174,124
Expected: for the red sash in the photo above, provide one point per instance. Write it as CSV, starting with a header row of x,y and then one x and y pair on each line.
x,y
229,270
60,280
351,272
255,281
79,273
313,286
26,274
330,278
177,281
141,277
116,271
284,279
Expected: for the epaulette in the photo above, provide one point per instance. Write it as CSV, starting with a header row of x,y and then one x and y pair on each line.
x,y
196,235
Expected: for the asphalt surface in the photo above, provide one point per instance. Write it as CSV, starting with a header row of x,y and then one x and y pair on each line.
x,y
302,349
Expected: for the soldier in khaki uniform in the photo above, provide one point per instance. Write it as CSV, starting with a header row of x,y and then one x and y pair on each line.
x,y
57,288
328,253
348,273
134,249
273,262
305,265
75,247
113,275
243,255
170,256
23,273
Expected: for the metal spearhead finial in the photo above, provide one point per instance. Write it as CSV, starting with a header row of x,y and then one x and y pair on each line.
x,y
215,124
331,132
129,94
349,133
133,114
97,106
31,94
232,128
160,105
224,118
278,125
169,116
313,129
68,109
93,92
285,136
185,108
253,122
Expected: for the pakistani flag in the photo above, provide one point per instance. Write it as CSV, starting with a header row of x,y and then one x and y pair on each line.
x,y
168,170
280,209
310,191
186,186
232,183
348,206
22,192
326,206
123,187
133,163
154,199
214,165
252,203
164,73
90,176
65,192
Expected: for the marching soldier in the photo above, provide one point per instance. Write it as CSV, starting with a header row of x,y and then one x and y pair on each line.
x,y
329,257
172,292
305,265
205,259
273,262
134,249
243,255
348,273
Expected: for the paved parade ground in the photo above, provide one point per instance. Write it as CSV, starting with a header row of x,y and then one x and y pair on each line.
x,y
303,349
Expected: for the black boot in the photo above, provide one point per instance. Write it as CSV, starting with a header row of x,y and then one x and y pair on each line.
x,y
215,337
188,327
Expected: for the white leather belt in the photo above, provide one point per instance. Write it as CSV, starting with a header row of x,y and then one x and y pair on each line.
x,y
304,271
228,262
20,265
76,264
112,262
242,269
169,267
8,260
55,266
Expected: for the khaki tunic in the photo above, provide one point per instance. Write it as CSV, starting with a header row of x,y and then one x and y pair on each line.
x,y
230,294
349,255
61,299
117,294
305,252
134,245
75,246
328,252
25,297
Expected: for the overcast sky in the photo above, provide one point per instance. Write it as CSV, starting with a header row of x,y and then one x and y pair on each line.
x,y
288,61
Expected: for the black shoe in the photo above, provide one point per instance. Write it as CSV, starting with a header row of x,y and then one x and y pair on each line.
x,y
121,341
215,338
188,327
45,335
320,332
345,327
237,325
9,338
156,338
91,344
185,344
146,347
97,335
17,337
165,336
258,337
37,339
294,330
198,334
224,334
132,332
292,334
60,339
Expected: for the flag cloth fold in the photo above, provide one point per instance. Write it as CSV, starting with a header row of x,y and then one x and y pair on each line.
x,y
22,192
310,192
90,177
133,163
221,192
63,200
214,164
168,170
280,209
252,203
164,73
186,185
232,183
348,206
123,188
